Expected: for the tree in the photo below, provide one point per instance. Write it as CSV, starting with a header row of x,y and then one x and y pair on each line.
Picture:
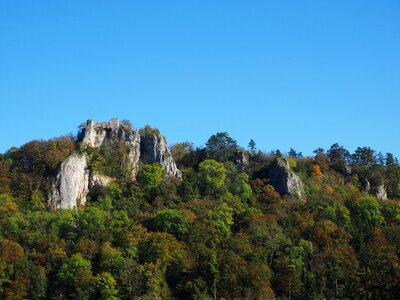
x,y
181,152
340,158
319,151
241,186
127,124
212,175
293,153
150,177
221,146
366,216
106,286
170,221
76,277
252,145
392,176
37,202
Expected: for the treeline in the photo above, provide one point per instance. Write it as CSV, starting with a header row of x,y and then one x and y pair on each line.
x,y
222,232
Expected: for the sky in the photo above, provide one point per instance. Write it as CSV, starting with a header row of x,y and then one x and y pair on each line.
x,y
301,74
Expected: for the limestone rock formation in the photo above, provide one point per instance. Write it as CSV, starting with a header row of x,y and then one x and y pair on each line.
x,y
365,185
154,149
97,183
95,134
75,181
99,180
284,180
71,186
381,193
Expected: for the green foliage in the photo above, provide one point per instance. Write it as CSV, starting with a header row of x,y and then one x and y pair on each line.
x,y
72,266
220,222
212,175
105,285
150,177
110,159
366,216
219,232
252,145
148,130
170,221
37,202
221,146
241,186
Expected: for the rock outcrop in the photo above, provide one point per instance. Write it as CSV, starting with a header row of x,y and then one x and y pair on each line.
x,y
241,160
95,134
154,149
365,185
381,193
97,183
75,181
71,185
284,180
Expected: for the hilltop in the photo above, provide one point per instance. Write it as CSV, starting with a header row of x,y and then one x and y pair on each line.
x,y
116,213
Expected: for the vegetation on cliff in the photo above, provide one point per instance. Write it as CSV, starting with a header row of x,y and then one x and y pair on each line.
x,y
221,232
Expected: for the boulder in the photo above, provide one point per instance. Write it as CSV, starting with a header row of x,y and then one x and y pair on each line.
x,y
365,185
71,185
381,193
284,180
154,149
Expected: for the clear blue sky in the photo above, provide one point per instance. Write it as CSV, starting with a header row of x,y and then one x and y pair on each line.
x,y
302,74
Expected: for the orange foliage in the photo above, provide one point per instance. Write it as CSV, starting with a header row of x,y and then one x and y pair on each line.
x,y
10,250
316,171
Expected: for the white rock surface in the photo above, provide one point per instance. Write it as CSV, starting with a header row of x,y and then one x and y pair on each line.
x,y
95,134
74,180
381,193
71,185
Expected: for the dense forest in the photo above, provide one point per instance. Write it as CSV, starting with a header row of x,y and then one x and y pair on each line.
x,y
224,230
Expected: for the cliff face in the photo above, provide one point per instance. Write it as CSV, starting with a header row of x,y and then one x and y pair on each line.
x,y
70,188
75,181
284,180
154,149
95,134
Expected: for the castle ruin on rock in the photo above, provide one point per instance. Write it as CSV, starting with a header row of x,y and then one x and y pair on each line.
x,y
75,180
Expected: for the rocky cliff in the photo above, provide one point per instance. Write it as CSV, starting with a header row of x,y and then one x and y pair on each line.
x,y
75,180
284,180
95,134
154,149
71,185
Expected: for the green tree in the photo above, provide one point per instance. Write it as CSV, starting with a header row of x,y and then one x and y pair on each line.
x,y
252,145
170,221
150,177
221,146
106,286
241,186
340,158
37,202
212,175
76,277
366,216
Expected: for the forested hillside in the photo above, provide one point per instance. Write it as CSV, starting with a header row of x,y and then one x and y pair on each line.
x,y
231,223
